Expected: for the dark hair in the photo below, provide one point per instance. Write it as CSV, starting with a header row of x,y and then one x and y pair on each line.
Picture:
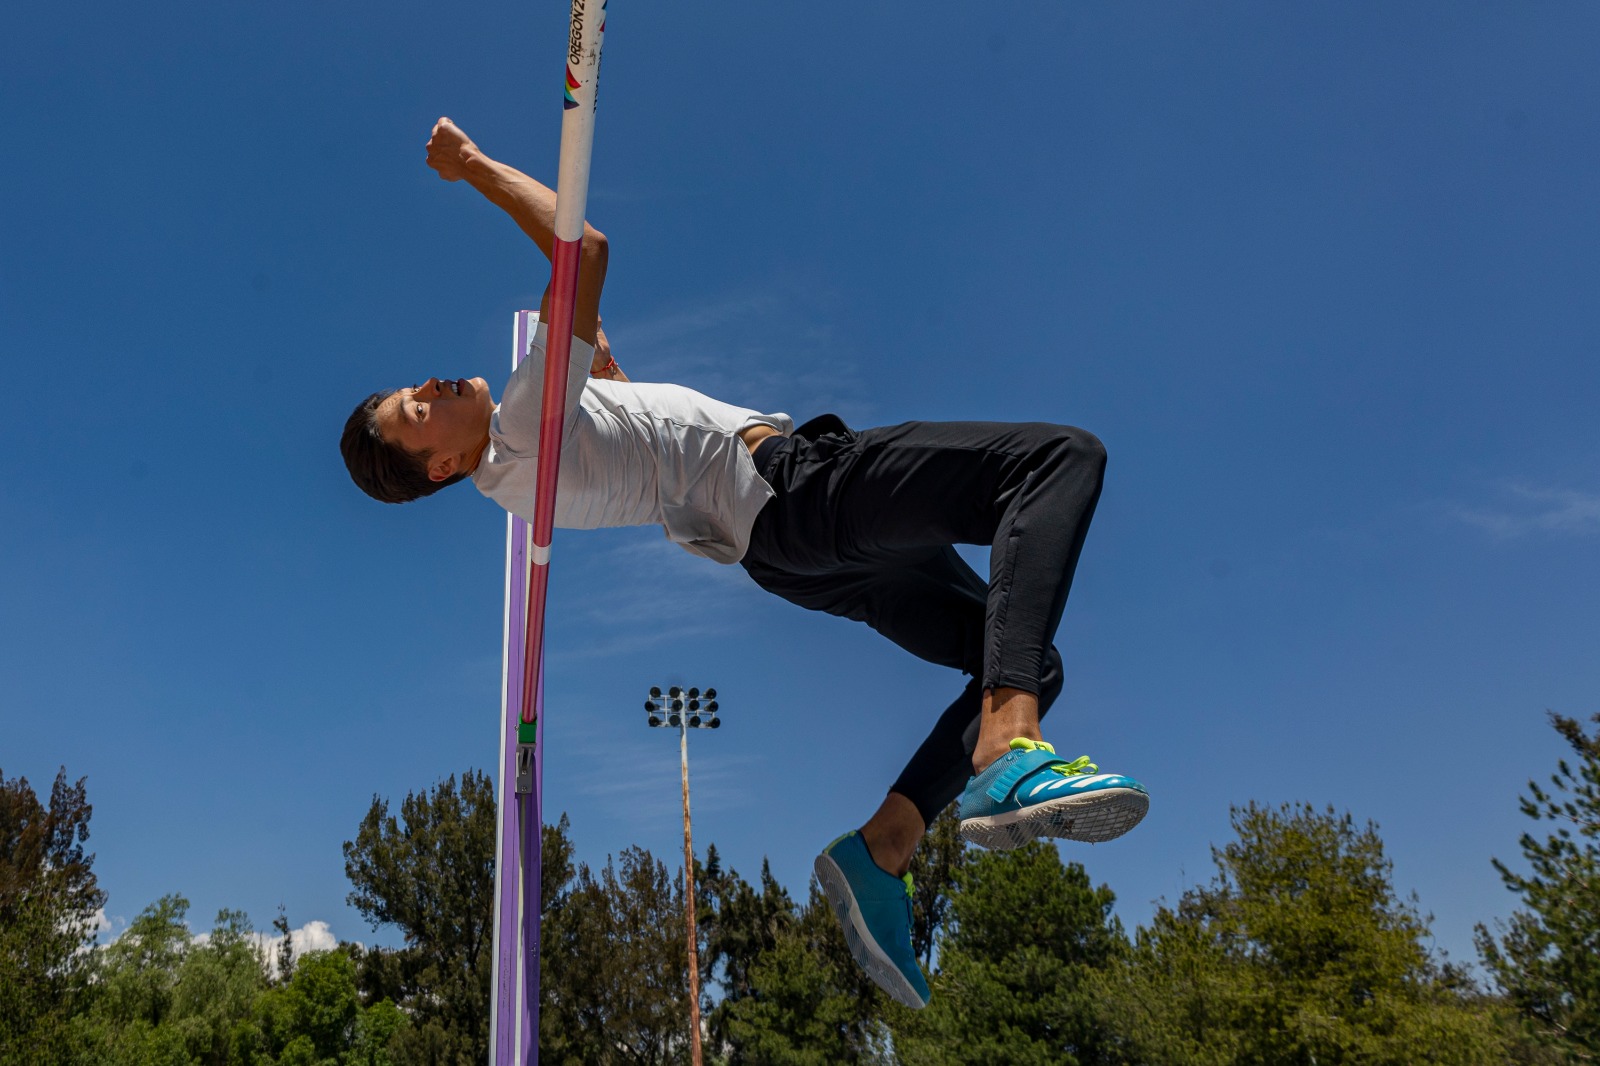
x,y
380,468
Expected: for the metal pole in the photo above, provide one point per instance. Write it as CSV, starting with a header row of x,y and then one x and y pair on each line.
x,y
670,710
507,1001
688,899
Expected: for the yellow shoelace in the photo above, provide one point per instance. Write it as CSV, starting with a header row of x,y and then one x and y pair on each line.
x,y
1076,768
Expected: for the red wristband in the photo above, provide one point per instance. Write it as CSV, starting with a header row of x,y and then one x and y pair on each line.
x,y
605,370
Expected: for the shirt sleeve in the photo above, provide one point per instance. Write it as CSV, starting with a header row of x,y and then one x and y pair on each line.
x,y
518,417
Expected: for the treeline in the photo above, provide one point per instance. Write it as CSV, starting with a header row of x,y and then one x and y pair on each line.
x,y
1297,951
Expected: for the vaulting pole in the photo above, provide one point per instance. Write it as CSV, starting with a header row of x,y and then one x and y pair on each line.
x,y
515,1007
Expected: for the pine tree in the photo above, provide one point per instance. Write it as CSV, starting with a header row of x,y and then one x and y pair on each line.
x,y
431,873
48,901
1017,962
613,962
935,869
1547,957
738,922
808,1004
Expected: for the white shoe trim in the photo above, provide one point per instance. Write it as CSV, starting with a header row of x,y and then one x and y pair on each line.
x,y
1090,817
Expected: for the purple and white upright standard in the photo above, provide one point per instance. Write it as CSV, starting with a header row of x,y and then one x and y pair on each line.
x,y
514,1011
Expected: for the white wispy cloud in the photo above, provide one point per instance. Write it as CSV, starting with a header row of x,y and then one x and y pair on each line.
x,y
1523,509
95,927
645,590
313,936
717,783
103,923
760,348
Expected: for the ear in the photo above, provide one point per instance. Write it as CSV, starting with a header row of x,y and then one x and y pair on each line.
x,y
442,468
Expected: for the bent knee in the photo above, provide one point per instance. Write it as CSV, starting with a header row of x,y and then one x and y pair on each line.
x,y
1078,445
1087,445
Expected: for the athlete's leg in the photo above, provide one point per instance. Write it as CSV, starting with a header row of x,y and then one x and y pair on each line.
x,y
942,765
934,609
858,502
862,526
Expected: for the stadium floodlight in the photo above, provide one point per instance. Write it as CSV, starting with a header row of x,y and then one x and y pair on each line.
x,y
685,711
682,708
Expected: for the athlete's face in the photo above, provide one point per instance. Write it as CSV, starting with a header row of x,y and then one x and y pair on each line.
x,y
446,420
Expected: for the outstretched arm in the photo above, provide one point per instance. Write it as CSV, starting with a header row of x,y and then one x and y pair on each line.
x,y
533,207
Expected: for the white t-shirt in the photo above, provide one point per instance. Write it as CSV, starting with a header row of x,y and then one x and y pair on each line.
x,y
632,454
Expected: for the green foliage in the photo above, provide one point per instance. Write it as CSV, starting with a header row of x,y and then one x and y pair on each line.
x,y
1297,953
376,1032
1017,966
48,900
614,964
316,1018
738,923
431,873
935,867
791,991
163,997
807,1003
313,1015
555,865
219,982
1547,957
139,969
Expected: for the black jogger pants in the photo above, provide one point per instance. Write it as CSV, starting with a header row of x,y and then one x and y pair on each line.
x,y
862,526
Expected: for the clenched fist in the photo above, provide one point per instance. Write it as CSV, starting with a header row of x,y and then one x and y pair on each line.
x,y
451,151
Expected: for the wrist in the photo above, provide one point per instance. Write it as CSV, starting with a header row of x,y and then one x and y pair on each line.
x,y
481,172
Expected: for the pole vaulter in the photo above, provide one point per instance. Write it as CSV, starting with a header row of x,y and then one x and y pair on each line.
x,y
514,1012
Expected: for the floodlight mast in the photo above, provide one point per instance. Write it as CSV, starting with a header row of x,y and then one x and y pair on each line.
x,y
514,1009
686,711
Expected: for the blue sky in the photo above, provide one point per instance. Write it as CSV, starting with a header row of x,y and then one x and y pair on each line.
x,y
1321,276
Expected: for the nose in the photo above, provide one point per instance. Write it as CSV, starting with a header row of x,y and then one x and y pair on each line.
x,y
429,388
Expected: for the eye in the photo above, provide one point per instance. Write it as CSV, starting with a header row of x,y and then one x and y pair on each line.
x,y
419,410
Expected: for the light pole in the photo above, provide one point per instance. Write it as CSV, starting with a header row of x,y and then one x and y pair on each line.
x,y
686,710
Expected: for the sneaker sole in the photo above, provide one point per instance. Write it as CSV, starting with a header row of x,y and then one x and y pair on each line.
x,y
884,973
1097,817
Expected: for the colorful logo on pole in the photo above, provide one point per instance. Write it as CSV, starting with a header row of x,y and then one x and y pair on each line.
x,y
575,52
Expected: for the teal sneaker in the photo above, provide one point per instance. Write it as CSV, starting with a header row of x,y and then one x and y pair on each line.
x,y
874,907
1030,792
